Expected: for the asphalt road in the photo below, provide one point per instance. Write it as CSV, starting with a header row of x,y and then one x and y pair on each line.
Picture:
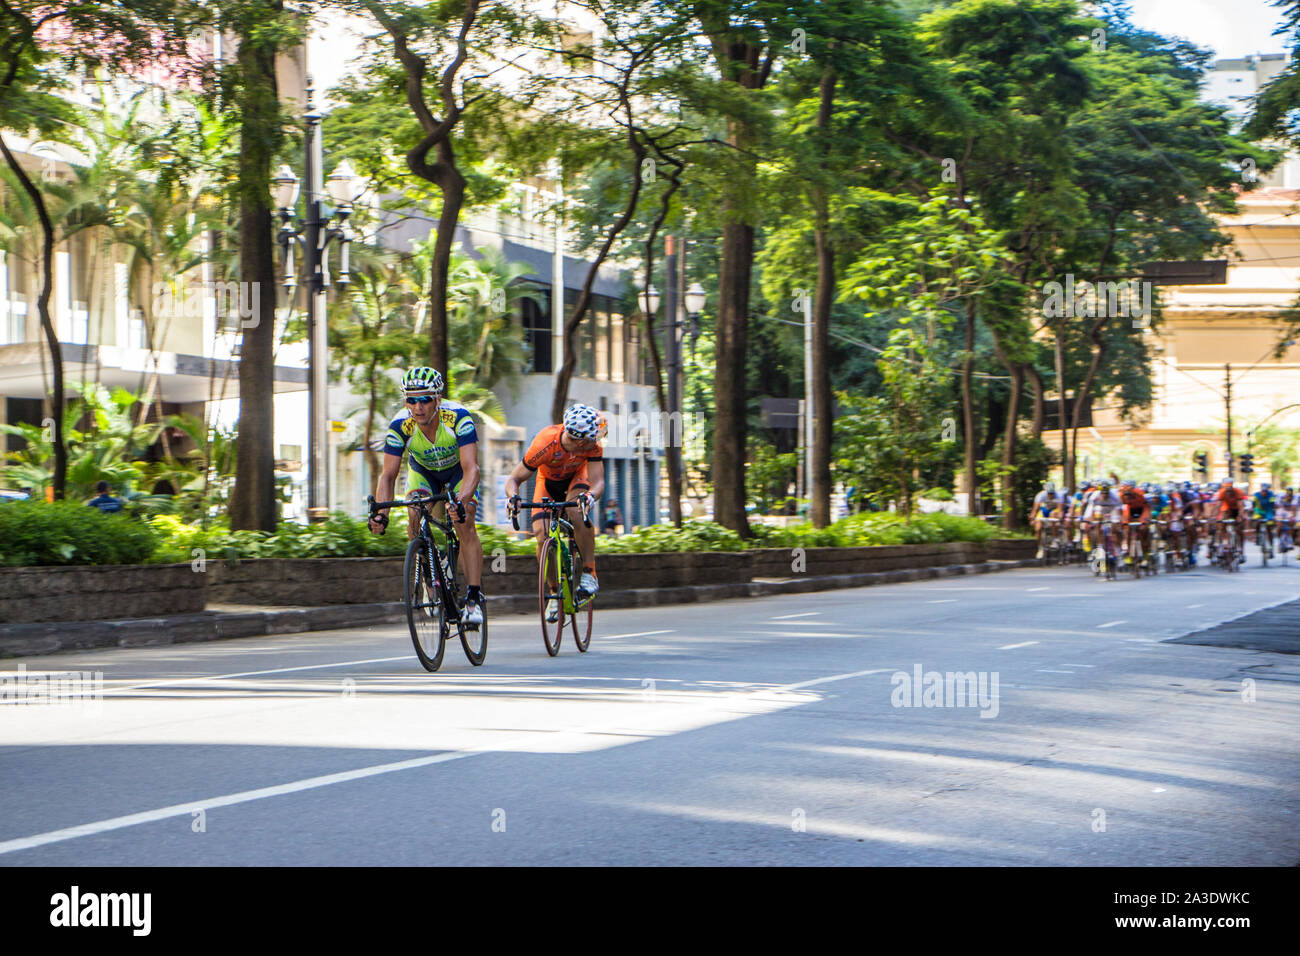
x,y
762,731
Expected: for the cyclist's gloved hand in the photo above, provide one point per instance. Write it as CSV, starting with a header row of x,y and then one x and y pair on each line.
x,y
378,522
512,506
460,510
588,500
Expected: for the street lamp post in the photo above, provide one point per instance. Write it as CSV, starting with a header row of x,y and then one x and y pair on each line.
x,y
314,236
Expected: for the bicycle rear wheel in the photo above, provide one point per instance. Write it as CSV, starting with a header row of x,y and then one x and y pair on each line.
x,y
424,614
549,566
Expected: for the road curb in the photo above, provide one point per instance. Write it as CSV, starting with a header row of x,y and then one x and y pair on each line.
x,y
32,640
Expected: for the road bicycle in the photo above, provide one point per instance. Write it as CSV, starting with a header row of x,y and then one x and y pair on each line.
x,y
1285,538
430,590
1135,555
1055,545
1175,538
1264,539
1228,554
559,572
1105,557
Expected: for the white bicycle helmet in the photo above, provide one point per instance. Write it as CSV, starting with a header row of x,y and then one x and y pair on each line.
x,y
422,379
583,421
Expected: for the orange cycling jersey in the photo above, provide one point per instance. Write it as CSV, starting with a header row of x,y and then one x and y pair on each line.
x,y
1135,503
1229,499
547,456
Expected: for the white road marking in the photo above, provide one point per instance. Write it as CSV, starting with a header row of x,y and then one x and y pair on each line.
x,y
1038,589
312,783
1048,670
1078,665
1111,623
787,617
826,680
943,601
277,670
181,809
1190,606
615,637
1012,647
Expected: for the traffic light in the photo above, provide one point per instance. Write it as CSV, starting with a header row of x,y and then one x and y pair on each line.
x,y
1202,462
1247,464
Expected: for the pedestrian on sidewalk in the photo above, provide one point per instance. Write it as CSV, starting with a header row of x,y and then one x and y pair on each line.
x,y
105,501
613,518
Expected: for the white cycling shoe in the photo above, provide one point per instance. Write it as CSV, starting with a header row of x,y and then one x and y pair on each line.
x,y
588,585
552,610
471,615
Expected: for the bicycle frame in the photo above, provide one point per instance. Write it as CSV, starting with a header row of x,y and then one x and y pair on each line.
x,y
425,523
561,532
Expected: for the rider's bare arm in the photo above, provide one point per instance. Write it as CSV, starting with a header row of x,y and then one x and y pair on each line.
x,y
387,482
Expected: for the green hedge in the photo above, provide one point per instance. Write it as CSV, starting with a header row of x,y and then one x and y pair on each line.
x,y
338,537
36,533
878,527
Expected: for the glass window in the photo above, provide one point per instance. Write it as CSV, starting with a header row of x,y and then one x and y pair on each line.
x,y
586,340
617,344
633,357
601,318
535,317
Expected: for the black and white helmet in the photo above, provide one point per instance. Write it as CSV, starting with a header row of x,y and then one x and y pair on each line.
x,y
422,379
583,421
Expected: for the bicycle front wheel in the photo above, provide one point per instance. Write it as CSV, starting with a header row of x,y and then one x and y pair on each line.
x,y
423,607
583,613
549,567
475,641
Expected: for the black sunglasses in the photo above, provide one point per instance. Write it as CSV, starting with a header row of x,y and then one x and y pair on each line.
x,y
420,400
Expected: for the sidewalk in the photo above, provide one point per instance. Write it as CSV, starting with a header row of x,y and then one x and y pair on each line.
x,y
225,621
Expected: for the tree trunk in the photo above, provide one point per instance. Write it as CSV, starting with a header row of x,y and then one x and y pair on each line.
x,y
452,184
820,492
729,375
47,322
372,457
252,504
1010,518
968,411
1059,335
822,398
1036,427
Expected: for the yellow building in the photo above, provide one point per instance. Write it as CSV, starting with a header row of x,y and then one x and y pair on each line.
x,y
1216,341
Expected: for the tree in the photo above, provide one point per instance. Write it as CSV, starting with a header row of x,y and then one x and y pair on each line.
x,y
888,447
264,28
743,39
34,36
416,30
860,55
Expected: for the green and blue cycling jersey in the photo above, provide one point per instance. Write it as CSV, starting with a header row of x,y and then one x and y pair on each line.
x,y
1265,502
433,465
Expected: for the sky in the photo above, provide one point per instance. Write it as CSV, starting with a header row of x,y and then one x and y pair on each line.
x,y
1232,28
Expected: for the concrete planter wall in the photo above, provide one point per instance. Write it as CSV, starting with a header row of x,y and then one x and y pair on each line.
x,y
103,593
323,581
99,592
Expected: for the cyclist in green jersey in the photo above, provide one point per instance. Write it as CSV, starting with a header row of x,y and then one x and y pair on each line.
x,y
439,438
